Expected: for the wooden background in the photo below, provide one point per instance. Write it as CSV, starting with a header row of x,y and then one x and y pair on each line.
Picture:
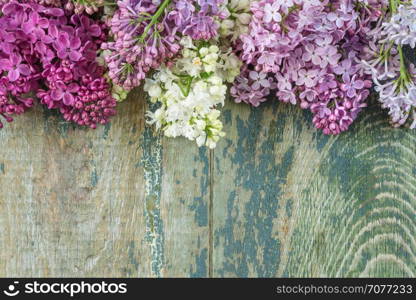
x,y
276,198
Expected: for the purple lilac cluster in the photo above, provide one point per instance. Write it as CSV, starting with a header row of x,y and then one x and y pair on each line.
x,y
147,34
309,52
393,72
53,54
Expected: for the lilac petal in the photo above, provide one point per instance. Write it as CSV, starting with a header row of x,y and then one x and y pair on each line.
x,y
9,8
265,83
24,69
34,17
9,37
13,75
316,60
75,55
62,54
68,99
47,39
5,64
63,40
255,86
85,22
43,22
57,94
95,30
253,75
75,43
75,19
56,12
15,59
359,84
39,33
351,93
53,30
346,78
73,88
28,27
7,48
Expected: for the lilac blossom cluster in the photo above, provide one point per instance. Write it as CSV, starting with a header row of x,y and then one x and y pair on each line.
x,y
309,52
50,53
88,6
393,73
147,34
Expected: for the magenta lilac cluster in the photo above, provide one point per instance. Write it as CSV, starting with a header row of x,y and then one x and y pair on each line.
x,y
309,52
51,53
147,32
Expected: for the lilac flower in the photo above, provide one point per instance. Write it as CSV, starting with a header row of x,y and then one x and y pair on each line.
x,y
259,80
272,12
85,26
201,27
311,54
6,40
307,77
345,67
65,92
35,25
52,37
15,67
209,6
68,47
352,85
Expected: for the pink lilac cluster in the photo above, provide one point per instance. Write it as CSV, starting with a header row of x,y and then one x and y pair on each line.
x,y
147,34
88,6
52,53
19,72
308,52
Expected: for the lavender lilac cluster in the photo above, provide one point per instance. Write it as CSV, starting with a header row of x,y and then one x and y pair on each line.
x,y
393,73
309,52
147,34
50,53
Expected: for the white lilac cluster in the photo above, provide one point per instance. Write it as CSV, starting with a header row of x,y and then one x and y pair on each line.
x,y
191,92
238,19
401,29
393,74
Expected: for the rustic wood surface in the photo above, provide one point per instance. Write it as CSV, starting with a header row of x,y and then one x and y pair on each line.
x,y
275,199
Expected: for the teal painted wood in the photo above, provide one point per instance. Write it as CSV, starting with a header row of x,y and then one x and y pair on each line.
x,y
276,198
289,201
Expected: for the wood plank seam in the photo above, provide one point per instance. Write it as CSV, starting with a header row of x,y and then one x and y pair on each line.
x,y
211,214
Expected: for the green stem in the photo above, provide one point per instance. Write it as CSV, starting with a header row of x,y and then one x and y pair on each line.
x,y
404,74
154,19
393,6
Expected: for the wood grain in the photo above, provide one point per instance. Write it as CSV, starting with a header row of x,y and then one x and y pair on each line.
x,y
276,198
289,201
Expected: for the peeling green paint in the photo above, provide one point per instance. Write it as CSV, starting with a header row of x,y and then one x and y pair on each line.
x,y
200,265
106,131
152,164
94,178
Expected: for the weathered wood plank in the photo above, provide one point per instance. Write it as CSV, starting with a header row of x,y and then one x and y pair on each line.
x,y
289,201
185,208
72,200
79,202
177,196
